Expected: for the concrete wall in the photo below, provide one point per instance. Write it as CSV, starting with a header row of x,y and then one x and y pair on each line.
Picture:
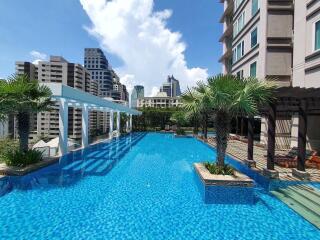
x,y
306,61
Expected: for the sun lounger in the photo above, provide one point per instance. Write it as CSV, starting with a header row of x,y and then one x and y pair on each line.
x,y
290,160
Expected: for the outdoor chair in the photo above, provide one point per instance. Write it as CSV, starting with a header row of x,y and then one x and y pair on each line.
x,y
290,160
313,162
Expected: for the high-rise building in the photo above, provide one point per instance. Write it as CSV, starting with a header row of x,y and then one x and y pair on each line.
x,y
278,40
171,87
257,39
58,70
137,92
119,91
97,64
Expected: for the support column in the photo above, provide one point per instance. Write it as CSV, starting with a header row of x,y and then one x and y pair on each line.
x,y
302,142
118,123
63,127
270,172
85,126
271,136
111,125
250,162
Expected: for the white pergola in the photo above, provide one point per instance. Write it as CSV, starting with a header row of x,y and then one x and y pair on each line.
x,y
70,97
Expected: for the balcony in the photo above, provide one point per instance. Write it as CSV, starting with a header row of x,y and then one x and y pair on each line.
x,y
227,33
228,11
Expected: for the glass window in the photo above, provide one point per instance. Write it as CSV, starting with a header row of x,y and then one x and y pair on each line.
x,y
237,3
253,69
238,52
254,37
317,36
238,24
240,74
255,7
234,55
241,22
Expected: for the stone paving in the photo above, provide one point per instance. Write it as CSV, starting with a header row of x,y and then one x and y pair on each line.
x,y
238,150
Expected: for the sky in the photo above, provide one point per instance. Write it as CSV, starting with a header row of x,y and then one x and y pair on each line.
x,y
144,40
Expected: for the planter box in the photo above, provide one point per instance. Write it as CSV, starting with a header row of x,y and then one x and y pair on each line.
x,y
224,189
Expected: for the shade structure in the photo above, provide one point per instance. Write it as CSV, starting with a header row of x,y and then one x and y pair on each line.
x,y
70,97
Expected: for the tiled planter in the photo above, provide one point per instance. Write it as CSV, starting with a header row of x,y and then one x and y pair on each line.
x,y
224,189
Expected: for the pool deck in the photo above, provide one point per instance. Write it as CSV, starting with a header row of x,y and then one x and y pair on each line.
x,y
238,150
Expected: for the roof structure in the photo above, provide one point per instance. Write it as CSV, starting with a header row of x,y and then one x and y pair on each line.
x,y
77,97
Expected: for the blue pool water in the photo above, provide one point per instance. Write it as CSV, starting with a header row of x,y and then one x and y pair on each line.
x,y
137,187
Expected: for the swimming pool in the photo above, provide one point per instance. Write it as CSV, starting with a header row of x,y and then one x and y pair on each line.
x,y
141,186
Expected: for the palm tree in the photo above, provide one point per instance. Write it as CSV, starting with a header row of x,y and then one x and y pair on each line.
x,y
231,96
191,106
196,102
21,97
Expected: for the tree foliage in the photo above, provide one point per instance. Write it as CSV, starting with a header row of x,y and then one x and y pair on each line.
x,y
21,96
225,97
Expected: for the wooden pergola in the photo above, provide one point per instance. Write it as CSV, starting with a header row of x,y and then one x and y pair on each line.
x,y
288,100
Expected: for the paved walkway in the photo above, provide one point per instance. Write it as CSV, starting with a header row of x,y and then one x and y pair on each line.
x,y
238,150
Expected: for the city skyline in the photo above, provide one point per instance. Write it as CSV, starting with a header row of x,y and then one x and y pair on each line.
x,y
187,56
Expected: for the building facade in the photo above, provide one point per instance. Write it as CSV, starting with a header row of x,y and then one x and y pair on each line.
x,y
137,92
276,40
171,87
159,101
306,63
98,66
58,70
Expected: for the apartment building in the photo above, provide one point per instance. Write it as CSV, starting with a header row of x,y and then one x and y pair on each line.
x,y
278,40
159,101
306,62
58,70
257,39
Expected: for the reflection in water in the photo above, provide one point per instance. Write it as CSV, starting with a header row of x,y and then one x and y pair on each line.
x,y
96,160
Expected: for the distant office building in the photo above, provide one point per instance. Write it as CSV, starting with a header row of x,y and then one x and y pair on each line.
x,y
137,92
58,70
159,101
97,64
119,91
171,87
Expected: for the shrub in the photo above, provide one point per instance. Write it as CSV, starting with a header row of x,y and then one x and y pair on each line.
x,y
180,132
7,145
21,159
213,168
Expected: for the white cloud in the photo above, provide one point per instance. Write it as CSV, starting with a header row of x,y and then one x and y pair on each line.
x,y
150,51
38,56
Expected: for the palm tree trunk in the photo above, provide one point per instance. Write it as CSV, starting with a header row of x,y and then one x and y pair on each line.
x,y
205,126
222,133
195,125
23,129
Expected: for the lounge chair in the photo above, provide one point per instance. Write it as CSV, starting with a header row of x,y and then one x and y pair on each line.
x,y
290,160
313,162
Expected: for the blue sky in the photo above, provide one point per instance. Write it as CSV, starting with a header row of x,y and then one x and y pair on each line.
x,y
57,27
